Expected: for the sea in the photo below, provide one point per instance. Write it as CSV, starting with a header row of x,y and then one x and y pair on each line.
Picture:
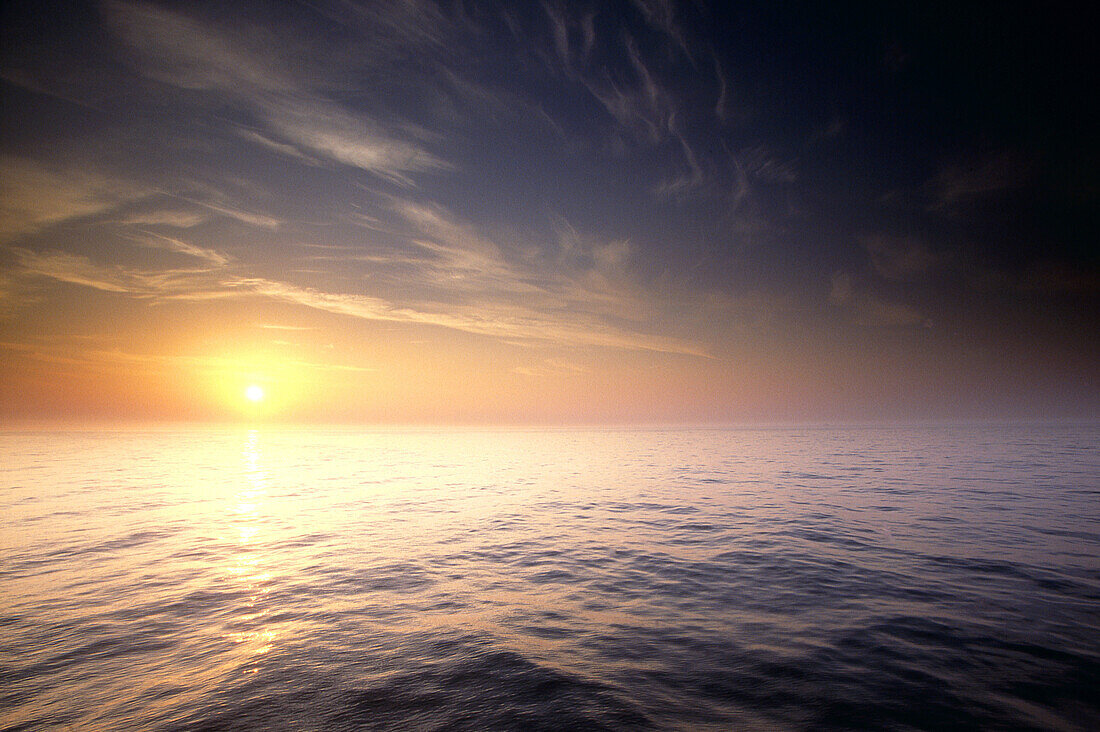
x,y
920,577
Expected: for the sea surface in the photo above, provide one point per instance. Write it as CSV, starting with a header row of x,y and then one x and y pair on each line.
x,y
936,577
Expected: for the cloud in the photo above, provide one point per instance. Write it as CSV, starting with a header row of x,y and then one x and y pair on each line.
x,y
248,217
220,205
721,106
463,102
550,367
394,30
73,269
162,217
641,105
760,163
326,130
832,131
872,310
159,241
508,322
181,51
632,94
421,263
275,146
460,257
34,195
900,257
661,15
196,283
588,34
513,312
81,86
111,358
560,33
648,111
575,289
867,308
981,176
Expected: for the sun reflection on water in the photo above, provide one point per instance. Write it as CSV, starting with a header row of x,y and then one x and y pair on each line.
x,y
247,569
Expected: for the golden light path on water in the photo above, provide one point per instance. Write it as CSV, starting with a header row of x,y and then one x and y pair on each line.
x,y
247,568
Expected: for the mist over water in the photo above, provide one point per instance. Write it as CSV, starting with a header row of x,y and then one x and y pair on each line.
x,y
884,578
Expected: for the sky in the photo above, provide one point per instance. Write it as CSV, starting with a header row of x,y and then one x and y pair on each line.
x,y
406,212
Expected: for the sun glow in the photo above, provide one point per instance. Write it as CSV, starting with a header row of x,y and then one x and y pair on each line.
x,y
254,393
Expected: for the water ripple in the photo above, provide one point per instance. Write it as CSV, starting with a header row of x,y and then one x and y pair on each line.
x,y
899,578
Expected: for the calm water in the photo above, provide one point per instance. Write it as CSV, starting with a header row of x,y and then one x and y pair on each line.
x,y
891,578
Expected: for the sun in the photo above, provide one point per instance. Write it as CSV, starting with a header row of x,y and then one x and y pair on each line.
x,y
254,393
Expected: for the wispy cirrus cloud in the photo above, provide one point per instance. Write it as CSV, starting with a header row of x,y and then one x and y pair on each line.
x,y
161,217
110,359
867,308
568,275
900,258
639,103
182,51
190,283
527,313
551,367
216,202
458,254
960,181
159,241
278,326
644,108
506,321
179,50
722,103
326,130
662,16
574,288
394,30
638,81
34,195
